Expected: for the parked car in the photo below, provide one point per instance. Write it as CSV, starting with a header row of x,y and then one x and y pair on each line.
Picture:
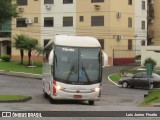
x,y
141,80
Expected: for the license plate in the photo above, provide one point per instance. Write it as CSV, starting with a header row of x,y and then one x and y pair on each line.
x,y
77,96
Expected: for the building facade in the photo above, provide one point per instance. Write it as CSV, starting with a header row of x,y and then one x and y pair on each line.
x,y
57,17
120,26
29,23
153,22
5,38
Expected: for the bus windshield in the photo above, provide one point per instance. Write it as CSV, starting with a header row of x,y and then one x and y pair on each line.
x,y
77,65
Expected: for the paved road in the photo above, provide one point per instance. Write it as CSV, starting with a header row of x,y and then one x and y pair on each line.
x,y
113,98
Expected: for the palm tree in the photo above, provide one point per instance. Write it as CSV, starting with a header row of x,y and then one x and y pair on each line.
x,y
20,41
31,44
24,42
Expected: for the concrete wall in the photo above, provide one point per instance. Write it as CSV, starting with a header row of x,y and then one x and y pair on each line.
x,y
151,51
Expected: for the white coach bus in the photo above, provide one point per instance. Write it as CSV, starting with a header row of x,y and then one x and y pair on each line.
x,y
73,69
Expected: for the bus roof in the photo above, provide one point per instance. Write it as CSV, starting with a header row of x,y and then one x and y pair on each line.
x,y
76,41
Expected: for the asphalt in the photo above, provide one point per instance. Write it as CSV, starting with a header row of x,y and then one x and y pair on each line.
x,y
113,69
21,74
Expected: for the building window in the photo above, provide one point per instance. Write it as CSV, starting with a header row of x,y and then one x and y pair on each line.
x,y
47,51
48,1
129,2
67,1
22,2
143,5
81,18
48,22
143,43
129,44
67,21
143,25
35,19
129,22
101,41
21,22
0,26
95,1
46,42
97,21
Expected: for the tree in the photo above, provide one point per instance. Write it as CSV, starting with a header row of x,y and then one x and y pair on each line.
x,y
31,44
7,11
20,43
151,61
24,42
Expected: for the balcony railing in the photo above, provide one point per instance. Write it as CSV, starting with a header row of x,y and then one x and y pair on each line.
x,y
5,34
150,15
150,34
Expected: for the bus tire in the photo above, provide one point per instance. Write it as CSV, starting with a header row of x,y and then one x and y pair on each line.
x,y
51,100
91,102
45,94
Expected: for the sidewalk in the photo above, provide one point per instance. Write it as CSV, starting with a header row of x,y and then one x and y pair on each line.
x,y
21,74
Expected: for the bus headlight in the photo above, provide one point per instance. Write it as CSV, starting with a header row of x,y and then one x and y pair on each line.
x,y
58,87
97,89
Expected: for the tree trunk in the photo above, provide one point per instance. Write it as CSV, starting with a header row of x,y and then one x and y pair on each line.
x,y
22,55
29,57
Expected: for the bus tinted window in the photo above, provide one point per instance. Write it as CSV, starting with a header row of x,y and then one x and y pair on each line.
x,y
77,65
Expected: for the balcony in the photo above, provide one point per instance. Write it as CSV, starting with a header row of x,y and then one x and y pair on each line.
x,y
150,34
5,34
150,15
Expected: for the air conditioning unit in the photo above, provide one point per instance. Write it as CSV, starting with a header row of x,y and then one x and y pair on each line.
x,y
119,37
48,6
28,21
152,40
96,7
21,9
151,1
152,21
119,14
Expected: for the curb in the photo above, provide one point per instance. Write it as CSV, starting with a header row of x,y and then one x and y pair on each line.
x,y
21,74
156,105
112,81
15,101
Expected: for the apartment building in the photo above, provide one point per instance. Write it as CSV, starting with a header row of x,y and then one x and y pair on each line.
x,y
119,25
5,38
57,17
140,25
28,23
153,22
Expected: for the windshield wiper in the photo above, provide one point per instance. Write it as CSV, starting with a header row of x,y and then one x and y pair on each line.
x,y
70,73
88,79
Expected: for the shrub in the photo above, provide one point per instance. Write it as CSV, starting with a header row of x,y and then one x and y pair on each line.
x,y
151,61
138,57
6,58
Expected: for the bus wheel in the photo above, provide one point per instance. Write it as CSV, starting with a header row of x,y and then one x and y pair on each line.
x,y
45,94
91,102
51,100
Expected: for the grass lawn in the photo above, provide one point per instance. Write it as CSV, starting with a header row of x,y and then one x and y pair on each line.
x,y
12,97
115,77
16,67
153,97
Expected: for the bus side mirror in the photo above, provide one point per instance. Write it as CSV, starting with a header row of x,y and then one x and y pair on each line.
x,y
104,59
51,55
